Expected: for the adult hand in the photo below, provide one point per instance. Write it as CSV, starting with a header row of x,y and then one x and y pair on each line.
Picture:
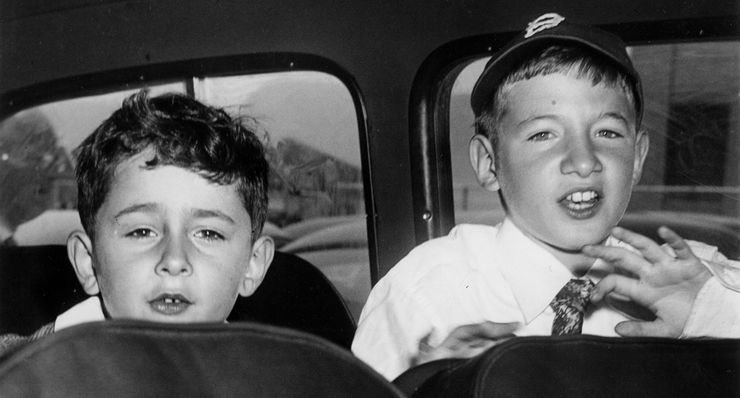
x,y
666,284
466,341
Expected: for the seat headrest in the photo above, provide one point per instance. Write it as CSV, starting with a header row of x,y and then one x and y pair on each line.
x,y
37,283
140,359
586,366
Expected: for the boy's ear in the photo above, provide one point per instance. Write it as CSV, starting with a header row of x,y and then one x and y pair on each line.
x,y
262,252
79,251
642,144
483,159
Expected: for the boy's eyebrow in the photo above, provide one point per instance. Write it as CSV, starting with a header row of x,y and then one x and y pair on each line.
x,y
208,213
140,207
152,207
614,115
611,115
538,117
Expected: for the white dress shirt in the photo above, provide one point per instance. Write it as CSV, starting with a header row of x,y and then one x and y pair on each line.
x,y
716,310
89,310
476,273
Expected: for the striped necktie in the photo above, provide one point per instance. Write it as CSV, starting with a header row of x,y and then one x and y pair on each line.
x,y
569,305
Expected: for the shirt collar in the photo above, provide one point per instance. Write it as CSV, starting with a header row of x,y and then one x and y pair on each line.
x,y
534,275
89,310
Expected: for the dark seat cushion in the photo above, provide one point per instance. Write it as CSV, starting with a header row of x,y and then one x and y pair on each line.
x,y
411,380
139,359
295,294
37,283
588,366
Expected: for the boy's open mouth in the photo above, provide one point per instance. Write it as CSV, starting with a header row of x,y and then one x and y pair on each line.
x,y
581,204
170,304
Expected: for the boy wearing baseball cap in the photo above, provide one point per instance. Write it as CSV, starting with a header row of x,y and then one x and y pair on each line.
x,y
558,113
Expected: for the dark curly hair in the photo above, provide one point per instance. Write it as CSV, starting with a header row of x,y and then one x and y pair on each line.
x,y
182,132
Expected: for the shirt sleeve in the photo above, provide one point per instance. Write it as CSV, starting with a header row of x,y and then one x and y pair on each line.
x,y
716,312
390,329
716,309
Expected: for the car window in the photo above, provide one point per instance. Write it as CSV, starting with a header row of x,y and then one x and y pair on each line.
x,y
692,116
38,193
472,203
307,121
317,207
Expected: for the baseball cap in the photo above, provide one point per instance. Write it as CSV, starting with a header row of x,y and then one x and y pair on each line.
x,y
546,30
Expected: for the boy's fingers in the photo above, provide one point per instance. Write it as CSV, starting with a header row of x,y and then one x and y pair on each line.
x,y
468,340
649,248
644,329
484,330
676,242
617,284
617,256
604,287
493,330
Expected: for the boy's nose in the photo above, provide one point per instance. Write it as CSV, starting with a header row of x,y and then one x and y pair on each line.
x,y
174,260
580,158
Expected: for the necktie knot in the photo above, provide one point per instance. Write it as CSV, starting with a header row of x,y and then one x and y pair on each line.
x,y
569,305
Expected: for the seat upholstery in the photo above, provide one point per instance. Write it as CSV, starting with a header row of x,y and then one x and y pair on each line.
x,y
411,380
586,366
139,359
295,294
37,283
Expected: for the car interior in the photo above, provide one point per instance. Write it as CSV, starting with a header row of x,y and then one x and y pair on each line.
x,y
364,112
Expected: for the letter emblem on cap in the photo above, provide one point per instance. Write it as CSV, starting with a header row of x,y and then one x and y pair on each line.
x,y
543,22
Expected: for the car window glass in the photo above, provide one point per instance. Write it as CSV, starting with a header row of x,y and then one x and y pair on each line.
x,y
317,207
473,204
38,193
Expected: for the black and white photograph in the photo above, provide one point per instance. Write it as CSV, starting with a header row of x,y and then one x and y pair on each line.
x,y
408,199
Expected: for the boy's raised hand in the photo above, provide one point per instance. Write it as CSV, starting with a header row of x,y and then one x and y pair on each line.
x,y
664,283
466,341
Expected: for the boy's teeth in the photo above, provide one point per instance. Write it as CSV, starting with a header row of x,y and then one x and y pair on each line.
x,y
584,196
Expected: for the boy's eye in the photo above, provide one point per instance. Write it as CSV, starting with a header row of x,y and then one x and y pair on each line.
x,y
209,235
608,134
141,233
541,136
